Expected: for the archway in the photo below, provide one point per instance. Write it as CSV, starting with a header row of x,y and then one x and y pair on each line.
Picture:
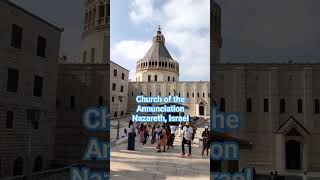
x,y
293,155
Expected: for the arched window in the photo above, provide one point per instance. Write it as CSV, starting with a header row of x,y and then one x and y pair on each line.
x,y
249,105
38,163
222,105
121,114
115,114
18,166
9,120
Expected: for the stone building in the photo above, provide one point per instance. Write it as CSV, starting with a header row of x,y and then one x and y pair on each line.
x,y
84,83
279,110
157,73
118,90
29,51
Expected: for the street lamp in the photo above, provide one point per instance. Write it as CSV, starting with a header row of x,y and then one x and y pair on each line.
x,y
118,126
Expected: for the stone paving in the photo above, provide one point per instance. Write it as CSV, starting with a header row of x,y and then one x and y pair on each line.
x,y
146,164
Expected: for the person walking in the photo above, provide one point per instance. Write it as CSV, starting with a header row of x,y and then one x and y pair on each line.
x,y
146,135
187,135
131,136
154,134
163,139
141,132
158,135
205,141
171,135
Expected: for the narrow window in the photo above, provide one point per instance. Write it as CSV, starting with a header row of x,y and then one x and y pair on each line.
x,y
173,79
100,100
115,114
101,11
249,105
222,105
72,102
37,88
13,80
121,89
203,94
265,105
41,47
122,76
299,105
16,36
114,86
9,120
112,99
187,94
115,73
155,78
84,56
169,78
149,78
93,54
121,114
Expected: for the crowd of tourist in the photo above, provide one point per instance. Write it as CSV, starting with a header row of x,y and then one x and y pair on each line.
x,y
163,135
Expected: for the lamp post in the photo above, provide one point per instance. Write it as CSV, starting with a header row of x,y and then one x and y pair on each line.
x,y
118,126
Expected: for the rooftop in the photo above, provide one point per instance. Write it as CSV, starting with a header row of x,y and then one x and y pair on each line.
x,y
31,14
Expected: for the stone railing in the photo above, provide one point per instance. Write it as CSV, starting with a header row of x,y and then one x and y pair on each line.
x,y
54,174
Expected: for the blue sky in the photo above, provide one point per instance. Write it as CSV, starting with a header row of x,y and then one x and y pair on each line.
x,y
185,24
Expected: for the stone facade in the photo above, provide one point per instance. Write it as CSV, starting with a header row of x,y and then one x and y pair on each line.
x,y
29,51
279,111
82,83
196,93
157,74
279,108
118,90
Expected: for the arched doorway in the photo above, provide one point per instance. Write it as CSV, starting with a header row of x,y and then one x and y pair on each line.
x,y
293,155
201,110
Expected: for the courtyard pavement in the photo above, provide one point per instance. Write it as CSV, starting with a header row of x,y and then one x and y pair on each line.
x,y
146,164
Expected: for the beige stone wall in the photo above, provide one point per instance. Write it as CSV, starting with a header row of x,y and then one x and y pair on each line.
x,y
238,82
187,89
14,142
118,106
142,76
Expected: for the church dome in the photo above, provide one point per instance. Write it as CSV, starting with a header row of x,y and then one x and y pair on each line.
x,y
157,64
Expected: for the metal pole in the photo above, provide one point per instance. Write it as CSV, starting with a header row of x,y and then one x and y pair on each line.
x,y
118,126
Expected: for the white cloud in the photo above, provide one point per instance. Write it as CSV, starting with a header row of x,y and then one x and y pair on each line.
x,y
185,24
128,52
141,10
